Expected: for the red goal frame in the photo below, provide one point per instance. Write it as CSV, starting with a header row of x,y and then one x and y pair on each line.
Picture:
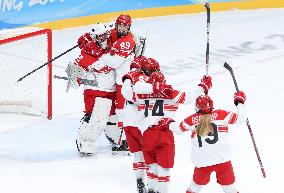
x,y
49,57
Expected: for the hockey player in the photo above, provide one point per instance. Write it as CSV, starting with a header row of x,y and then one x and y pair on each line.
x,y
141,70
119,58
210,151
99,98
158,144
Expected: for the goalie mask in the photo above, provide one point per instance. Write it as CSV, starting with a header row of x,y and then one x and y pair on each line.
x,y
204,104
122,25
100,34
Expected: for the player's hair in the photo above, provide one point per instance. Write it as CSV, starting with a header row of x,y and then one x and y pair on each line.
x,y
204,126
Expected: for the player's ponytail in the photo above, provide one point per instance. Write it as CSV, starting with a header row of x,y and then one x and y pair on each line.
x,y
204,126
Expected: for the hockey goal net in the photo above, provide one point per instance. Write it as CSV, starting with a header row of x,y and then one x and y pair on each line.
x,y
21,51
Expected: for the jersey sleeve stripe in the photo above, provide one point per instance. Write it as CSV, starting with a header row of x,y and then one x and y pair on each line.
x,y
183,127
233,118
164,179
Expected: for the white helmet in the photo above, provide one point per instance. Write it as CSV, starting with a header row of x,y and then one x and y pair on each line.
x,y
100,34
99,29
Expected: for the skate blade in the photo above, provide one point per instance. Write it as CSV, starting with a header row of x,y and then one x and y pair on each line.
x,y
121,153
82,154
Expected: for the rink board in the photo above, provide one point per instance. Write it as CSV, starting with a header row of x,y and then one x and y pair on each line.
x,y
163,11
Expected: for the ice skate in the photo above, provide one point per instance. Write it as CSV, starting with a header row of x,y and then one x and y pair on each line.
x,y
121,149
141,186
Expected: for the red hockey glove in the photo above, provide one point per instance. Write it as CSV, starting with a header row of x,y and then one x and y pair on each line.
x,y
206,83
239,97
163,88
164,123
135,65
83,40
132,75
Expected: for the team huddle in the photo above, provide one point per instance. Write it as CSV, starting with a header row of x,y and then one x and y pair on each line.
x,y
130,100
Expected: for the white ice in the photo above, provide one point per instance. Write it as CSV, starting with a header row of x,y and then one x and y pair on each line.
x,y
39,156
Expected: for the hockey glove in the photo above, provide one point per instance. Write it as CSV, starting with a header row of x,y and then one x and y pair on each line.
x,y
206,83
239,97
163,88
164,123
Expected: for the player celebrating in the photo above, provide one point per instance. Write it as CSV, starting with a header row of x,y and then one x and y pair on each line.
x,y
160,102
119,58
141,70
209,142
98,98
159,110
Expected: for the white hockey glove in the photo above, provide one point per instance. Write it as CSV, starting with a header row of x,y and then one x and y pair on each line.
x,y
73,72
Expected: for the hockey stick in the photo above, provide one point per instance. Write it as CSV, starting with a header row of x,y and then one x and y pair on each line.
x,y
20,79
229,68
82,80
143,42
207,6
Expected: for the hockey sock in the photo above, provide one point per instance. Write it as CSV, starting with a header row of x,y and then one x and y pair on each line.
x,y
229,188
139,166
194,188
163,179
152,178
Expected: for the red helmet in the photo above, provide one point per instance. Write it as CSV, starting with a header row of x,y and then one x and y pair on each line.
x,y
204,104
125,19
122,25
153,65
138,62
157,77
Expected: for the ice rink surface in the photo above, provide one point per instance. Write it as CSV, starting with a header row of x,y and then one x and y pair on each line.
x,y
39,156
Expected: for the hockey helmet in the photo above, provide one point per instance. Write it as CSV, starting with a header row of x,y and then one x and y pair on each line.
x,y
122,24
157,77
153,65
204,104
99,33
138,62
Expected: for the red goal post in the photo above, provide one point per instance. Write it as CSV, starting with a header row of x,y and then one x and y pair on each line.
x,y
21,51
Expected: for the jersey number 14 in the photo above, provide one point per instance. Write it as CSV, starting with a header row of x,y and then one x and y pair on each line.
x,y
157,110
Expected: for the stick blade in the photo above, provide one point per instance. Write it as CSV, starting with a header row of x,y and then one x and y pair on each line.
x,y
207,5
227,66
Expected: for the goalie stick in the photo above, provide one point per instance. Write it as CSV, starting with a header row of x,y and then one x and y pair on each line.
x,y
229,68
20,79
82,80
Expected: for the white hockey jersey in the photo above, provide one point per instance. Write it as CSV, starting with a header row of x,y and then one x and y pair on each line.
x,y
214,148
104,78
156,106
119,58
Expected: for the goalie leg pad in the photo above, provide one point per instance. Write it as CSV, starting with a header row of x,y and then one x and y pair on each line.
x,y
91,131
85,146
111,129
